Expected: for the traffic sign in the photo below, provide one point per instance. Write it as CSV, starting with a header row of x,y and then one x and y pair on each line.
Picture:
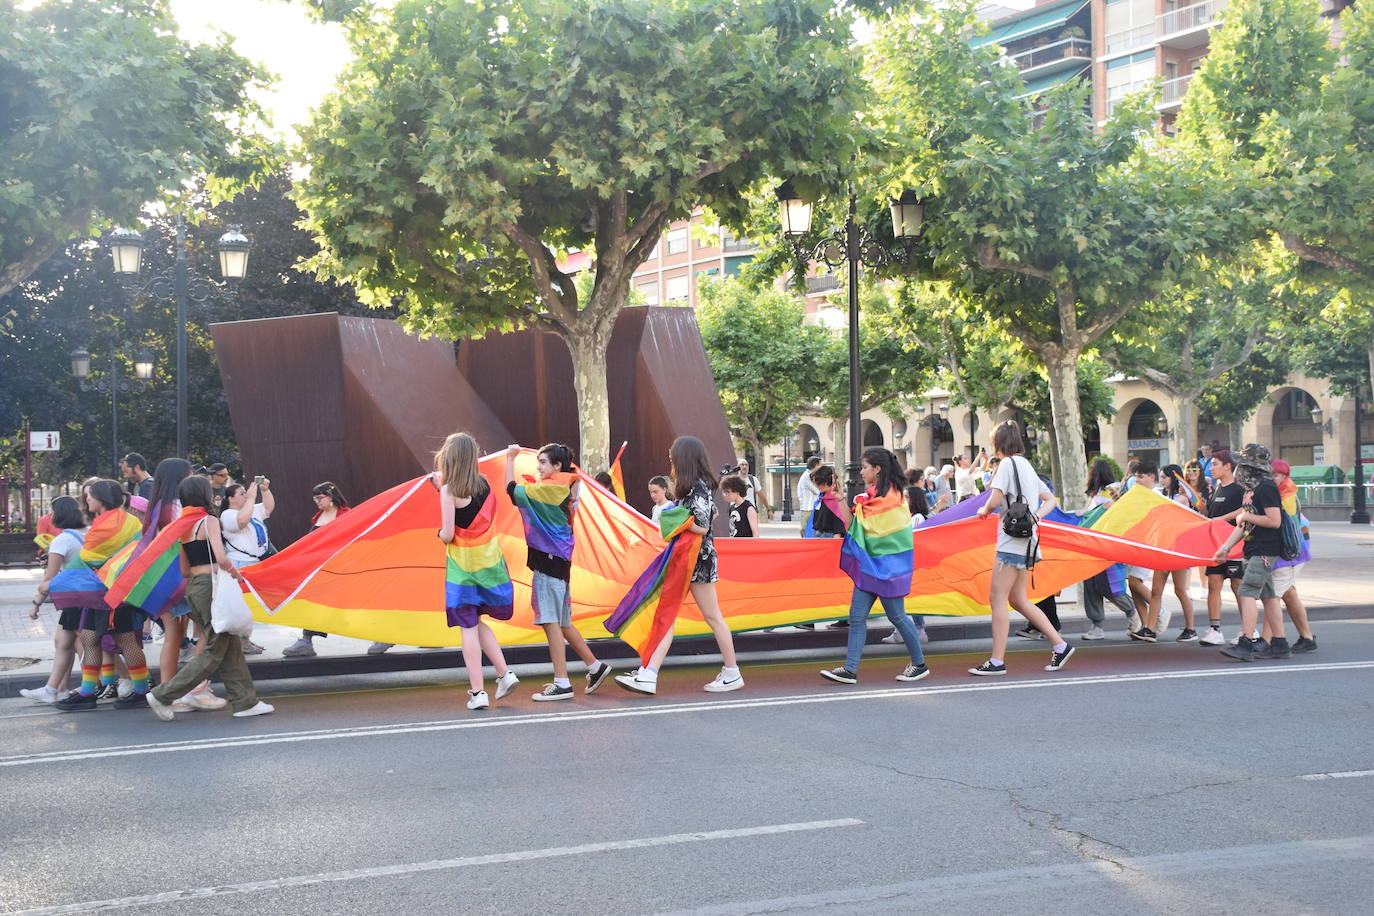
x,y
44,441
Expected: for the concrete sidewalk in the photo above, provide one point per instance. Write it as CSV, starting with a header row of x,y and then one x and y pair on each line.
x,y
1339,583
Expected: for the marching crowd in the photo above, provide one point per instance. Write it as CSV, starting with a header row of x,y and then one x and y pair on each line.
x,y
222,524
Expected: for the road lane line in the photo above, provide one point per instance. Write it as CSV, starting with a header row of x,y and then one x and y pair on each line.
x,y
837,695
1347,774
386,871
1025,883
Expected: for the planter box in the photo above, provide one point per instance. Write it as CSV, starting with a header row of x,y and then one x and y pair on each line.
x,y
17,550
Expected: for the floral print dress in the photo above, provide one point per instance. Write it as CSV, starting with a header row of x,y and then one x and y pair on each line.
x,y
703,508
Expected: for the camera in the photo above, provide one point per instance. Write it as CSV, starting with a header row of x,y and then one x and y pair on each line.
x,y
727,470
259,479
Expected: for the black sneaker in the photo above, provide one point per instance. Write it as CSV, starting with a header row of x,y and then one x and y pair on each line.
x,y
132,701
596,677
76,702
913,673
1260,646
1277,648
988,669
1242,651
839,625
840,675
108,692
1188,635
553,692
1145,634
806,626
1029,632
1304,644
1059,659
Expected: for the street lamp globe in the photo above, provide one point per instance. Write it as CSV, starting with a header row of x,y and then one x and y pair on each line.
x,y
126,250
944,409
143,364
233,254
81,362
794,212
907,214
1317,415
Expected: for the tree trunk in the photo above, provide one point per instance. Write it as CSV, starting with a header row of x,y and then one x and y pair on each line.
x,y
1185,431
588,345
841,456
1062,366
1233,431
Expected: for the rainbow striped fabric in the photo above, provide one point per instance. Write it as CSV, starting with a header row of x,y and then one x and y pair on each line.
x,y
650,608
150,578
46,532
877,551
475,573
547,526
78,585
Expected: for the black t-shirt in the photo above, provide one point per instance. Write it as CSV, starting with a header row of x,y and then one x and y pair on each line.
x,y
1264,542
541,561
823,521
739,520
1225,500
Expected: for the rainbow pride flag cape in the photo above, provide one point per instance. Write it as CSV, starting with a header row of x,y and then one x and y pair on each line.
x,y
475,574
151,579
78,585
547,526
877,551
112,531
650,608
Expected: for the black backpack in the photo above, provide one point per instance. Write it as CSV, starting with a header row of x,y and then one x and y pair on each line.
x,y
1018,521
1291,546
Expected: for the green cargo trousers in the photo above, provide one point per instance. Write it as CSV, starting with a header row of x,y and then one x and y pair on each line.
x,y
222,651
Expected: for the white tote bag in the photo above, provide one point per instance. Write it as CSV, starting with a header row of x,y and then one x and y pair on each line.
x,y
228,611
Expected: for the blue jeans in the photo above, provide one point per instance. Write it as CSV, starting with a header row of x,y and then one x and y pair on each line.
x,y
859,606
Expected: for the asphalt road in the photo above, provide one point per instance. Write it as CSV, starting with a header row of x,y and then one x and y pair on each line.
x,y
1142,779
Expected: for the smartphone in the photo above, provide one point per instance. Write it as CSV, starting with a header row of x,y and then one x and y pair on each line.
x,y
259,480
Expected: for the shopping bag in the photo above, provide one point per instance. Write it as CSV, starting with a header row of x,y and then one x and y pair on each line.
x,y
228,611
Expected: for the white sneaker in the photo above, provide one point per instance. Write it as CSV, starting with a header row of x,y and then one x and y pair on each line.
x,y
44,694
1133,623
1211,637
724,684
1165,615
125,688
506,683
478,700
639,682
893,639
204,699
1094,632
257,709
163,711
301,648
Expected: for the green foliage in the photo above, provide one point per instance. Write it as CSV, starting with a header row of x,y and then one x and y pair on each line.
x,y
767,364
72,300
1094,396
102,109
1235,394
892,360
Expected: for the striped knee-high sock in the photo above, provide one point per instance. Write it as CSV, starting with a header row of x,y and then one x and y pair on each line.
x,y
139,675
90,680
107,675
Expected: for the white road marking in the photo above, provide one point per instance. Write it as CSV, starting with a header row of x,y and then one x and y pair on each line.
x,y
388,871
838,695
1348,774
1030,885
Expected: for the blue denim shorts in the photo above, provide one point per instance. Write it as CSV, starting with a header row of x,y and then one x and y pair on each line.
x,y
1014,560
552,600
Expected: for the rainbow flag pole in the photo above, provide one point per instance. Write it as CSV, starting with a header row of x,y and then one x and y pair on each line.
x,y
617,473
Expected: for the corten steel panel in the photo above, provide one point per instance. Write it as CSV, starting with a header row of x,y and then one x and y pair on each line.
x,y
660,387
353,400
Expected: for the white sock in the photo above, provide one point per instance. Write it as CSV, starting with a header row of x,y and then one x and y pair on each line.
x,y
648,674
1060,646
995,661
730,672
562,682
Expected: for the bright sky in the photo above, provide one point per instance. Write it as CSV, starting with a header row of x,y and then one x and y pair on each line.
x,y
304,56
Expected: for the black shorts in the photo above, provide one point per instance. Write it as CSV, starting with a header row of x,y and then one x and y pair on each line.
x,y
124,619
70,619
1231,569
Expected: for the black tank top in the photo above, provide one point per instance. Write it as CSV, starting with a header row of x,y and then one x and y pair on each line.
x,y
197,553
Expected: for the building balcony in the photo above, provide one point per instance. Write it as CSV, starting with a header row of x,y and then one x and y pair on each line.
x,y
822,284
1187,26
731,245
1065,53
1128,39
1171,92
1117,95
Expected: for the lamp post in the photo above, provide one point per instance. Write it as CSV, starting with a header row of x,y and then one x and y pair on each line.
x,y
935,423
852,247
179,283
1359,512
115,384
787,470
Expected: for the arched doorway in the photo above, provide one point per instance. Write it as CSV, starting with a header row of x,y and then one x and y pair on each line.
x,y
872,434
808,440
1143,439
1297,439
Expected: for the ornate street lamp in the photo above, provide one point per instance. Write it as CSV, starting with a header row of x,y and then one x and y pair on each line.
x,y
850,246
113,384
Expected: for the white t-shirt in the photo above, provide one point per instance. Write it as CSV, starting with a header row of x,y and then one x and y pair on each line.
x,y
249,542
752,495
658,510
963,483
1031,488
68,544
807,493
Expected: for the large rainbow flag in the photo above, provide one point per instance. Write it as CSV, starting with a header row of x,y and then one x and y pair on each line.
x,y
649,609
877,549
546,525
378,573
475,573
78,585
